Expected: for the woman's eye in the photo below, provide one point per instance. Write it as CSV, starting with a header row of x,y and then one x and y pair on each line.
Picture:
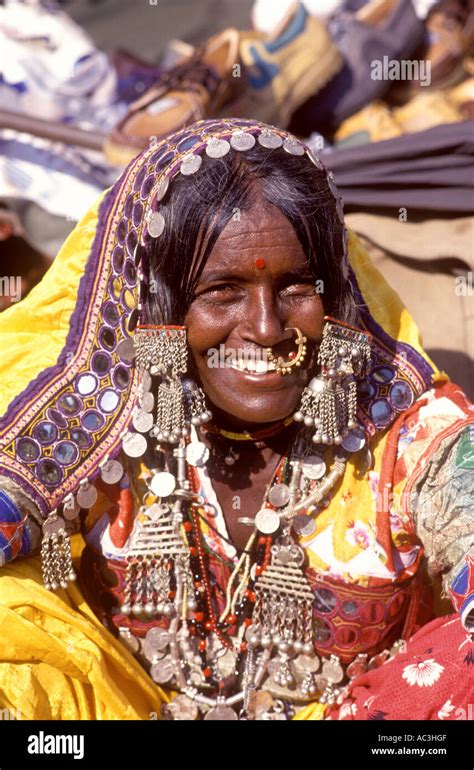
x,y
221,291
305,289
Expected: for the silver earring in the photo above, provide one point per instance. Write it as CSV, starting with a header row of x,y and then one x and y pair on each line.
x,y
329,402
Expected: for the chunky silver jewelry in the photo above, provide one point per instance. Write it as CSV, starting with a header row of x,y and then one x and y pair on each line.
x,y
56,562
329,402
162,351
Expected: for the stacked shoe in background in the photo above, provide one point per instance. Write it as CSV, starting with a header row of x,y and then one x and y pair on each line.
x,y
381,30
251,74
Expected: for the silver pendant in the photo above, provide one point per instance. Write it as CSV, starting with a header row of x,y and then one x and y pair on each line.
x,y
197,454
304,525
293,147
71,508
217,148
162,671
53,525
86,495
221,713
242,141
279,495
163,484
313,467
146,402
332,670
142,421
354,440
190,165
134,444
267,521
270,139
111,472
156,224
162,188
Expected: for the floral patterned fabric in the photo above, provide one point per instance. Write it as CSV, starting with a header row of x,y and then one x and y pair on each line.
x,y
431,678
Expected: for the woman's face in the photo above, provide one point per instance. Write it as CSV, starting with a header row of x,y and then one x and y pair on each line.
x,y
240,309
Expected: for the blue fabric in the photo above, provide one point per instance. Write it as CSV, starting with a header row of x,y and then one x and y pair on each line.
x,y
12,526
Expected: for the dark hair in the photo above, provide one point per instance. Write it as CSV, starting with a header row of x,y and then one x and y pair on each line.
x,y
198,207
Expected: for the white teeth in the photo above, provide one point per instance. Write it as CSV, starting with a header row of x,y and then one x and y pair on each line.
x,y
259,367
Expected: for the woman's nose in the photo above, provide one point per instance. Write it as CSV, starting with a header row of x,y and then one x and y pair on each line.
x,y
263,324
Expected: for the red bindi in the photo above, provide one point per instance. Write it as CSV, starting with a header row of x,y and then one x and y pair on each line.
x,y
260,263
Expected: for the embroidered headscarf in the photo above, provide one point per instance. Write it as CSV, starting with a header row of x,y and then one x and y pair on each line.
x,y
69,382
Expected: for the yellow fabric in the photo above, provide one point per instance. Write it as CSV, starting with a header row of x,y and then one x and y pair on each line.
x,y
33,332
57,660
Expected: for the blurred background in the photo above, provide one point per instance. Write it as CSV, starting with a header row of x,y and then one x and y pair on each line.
x,y
382,90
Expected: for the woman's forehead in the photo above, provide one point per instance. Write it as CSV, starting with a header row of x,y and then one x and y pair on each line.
x,y
260,233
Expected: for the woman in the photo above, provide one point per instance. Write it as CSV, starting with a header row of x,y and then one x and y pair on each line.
x,y
226,398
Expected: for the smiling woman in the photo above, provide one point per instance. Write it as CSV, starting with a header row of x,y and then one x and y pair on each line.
x,y
256,537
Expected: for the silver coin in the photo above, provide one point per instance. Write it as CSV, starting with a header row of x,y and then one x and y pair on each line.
x,y
307,664
145,382
270,139
163,484
158,638
134,444
111,472
279,495
304,525
146,401
197,454
221,713
217,148
162,671
142,421
126,350
354,440
130,641
315,159
267,521
242,141
151,653
293,147
333,671
86,495
156,224
71,508
190,165
162,188
313,467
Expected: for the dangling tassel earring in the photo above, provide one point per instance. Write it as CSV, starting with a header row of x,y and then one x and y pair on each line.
x,y
56,562
329,402
162,350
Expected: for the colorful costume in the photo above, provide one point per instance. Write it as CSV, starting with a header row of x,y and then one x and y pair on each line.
x,y
377,546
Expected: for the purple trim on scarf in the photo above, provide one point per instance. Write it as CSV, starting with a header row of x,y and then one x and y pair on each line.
x,y
417,361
